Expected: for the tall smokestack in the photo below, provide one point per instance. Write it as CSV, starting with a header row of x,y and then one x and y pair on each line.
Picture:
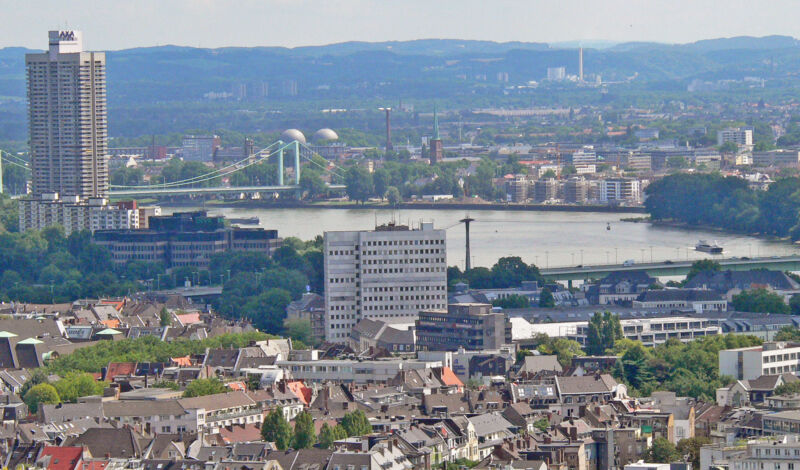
x,y
466,220
580,64
388,128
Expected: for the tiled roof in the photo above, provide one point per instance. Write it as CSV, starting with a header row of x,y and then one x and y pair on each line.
x,y
62,458
586,384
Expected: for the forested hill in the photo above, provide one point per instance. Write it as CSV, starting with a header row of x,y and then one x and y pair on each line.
x,y
412,68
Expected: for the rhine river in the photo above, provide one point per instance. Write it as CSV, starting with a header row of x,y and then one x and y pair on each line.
x,y
543,238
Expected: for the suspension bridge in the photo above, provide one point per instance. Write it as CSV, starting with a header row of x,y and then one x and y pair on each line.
x,y
199,185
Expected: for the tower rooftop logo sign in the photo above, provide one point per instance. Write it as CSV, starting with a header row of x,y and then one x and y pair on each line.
x,y
66,35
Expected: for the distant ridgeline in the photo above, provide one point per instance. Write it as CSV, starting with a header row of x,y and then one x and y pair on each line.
x,y
726,203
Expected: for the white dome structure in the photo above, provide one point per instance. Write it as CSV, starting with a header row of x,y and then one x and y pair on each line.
x,y
290,135
324,135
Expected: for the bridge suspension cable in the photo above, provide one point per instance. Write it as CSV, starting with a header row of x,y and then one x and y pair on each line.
x,y
237,166
207,176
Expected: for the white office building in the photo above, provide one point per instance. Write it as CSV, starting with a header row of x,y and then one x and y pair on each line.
x,y
583,157
753,362
737,135
387,274
620,190
200,148
779,453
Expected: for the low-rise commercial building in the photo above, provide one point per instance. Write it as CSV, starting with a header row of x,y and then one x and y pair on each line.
x,y
767,359
698,300
352,370
184,239
468,326
778,158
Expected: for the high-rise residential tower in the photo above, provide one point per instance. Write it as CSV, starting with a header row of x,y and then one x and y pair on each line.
x,y
67,118
68,126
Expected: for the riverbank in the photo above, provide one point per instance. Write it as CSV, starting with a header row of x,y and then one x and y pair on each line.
x,y
713,229
446,206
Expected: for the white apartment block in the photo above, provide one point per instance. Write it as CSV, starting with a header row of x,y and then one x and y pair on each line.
x,y
736,135
753,362
620,189
74,215
780,453
583,157
655,331
387,274
352,371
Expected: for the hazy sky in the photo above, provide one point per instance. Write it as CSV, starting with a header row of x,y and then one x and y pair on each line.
x,y
117,24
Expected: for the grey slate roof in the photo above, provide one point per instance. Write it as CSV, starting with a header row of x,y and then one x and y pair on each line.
x,y
671,295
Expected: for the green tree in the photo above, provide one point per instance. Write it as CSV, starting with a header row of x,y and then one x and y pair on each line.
x,y
202,387
604,330
662,451
541,424
393,196
728,147
356,423
635,366
168,384
512,301
789,388
564,349
510,271
358,184
268,310
326,436
41,394
691,447
788,333
78,384
276,429
702,265
165,318
311,183
298,330
304,436
794,304
546,299
759,300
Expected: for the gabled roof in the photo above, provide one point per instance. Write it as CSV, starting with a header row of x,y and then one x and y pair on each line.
x,y
120,369
118,443
225,358
726,280
491,423
61,458
449,378
534,364
770,382
672,295
589,384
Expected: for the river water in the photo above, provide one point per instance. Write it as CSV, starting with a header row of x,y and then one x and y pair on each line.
x,y
543,238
